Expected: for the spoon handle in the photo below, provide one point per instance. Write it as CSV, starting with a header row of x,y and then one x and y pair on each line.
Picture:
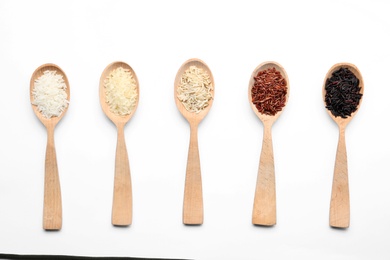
x,y
52,206
193,198
339,204
264,207
122,202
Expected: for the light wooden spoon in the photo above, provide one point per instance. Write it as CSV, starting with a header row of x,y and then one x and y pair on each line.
x,y
339,205
193,198
122,201
264,207
52,206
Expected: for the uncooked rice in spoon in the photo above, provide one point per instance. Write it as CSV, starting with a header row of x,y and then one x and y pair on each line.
x,y
195,89
49,94
121,91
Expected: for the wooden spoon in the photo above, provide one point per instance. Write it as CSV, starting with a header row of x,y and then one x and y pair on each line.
x,y
122,201
193,198
339,205
52,206
264,207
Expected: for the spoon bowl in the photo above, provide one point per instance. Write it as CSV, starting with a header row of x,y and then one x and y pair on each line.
x,y
193,198
264,66
116,119
264,206
122,214
38,73
339,120
52,206
339,215
192,117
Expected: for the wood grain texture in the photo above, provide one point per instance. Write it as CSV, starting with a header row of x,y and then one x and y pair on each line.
x,y
52,206
264,206
193,198
52,209
339,215
122,213
122,201
339,205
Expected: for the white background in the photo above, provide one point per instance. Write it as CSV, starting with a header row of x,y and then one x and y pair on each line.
x,y
155,38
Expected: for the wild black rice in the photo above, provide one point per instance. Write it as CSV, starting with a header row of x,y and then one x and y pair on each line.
x,y
342,93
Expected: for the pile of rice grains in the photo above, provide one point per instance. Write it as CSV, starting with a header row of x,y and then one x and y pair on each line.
x,y
49,94
269,91
195,89
121,91
342,95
